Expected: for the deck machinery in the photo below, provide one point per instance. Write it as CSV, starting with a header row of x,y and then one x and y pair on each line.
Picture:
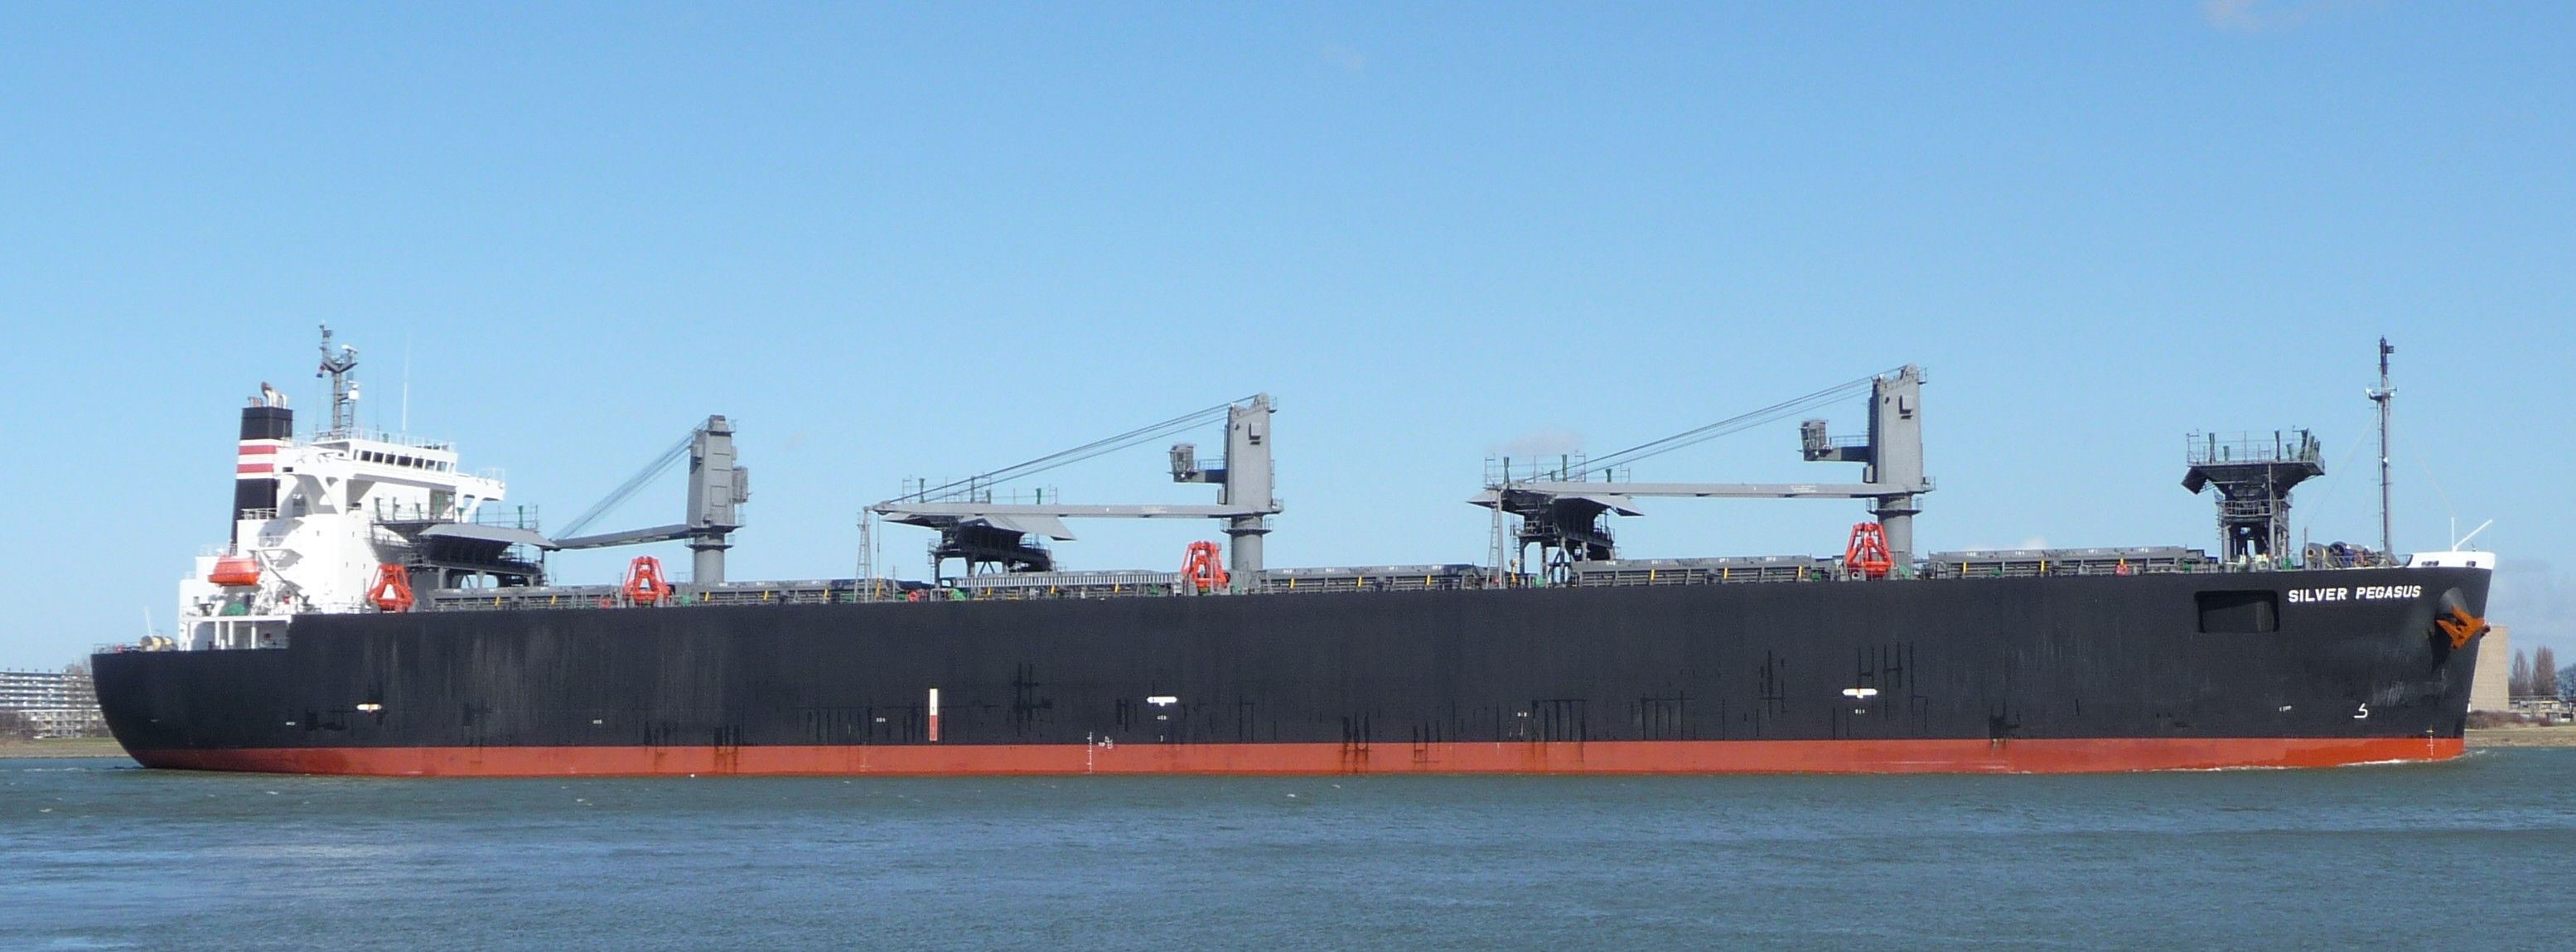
x,y
717,489
988,534
2253,475
1564,510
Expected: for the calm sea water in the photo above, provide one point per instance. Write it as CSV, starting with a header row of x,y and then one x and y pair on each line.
x,y
2471,854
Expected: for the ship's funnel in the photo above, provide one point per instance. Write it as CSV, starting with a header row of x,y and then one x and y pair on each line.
x,y
266,427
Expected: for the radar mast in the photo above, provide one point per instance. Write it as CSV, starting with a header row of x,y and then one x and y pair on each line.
x,y
344,387
2381,395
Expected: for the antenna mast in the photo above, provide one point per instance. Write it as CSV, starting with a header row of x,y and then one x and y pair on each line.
x,y
2381,396
344,390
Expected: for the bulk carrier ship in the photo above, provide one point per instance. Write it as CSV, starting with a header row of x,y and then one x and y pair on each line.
x,y
378,610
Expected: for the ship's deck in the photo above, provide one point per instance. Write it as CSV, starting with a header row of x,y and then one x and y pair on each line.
x,y
2013,563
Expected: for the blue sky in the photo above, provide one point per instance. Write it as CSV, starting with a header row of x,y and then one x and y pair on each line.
x,y
932,239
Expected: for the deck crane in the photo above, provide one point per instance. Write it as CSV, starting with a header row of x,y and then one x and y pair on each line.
x,y
717,488
974,528
1562,508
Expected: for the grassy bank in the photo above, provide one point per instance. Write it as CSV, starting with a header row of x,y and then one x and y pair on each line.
x,y
2524,735
62,747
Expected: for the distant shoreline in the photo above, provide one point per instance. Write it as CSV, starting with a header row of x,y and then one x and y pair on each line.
x,y
2560,735
2528,736
62,747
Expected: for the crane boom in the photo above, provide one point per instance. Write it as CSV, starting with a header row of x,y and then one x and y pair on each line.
x,y
660,464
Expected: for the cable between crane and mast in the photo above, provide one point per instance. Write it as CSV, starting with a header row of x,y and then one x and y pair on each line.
x,y
1730,425
661,464
1099,447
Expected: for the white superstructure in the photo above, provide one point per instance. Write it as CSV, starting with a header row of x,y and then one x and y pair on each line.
x,y
317,520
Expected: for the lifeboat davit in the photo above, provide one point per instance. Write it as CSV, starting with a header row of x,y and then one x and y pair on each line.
x,y
235,571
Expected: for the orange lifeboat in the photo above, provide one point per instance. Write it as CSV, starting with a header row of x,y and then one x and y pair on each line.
x,y
235,571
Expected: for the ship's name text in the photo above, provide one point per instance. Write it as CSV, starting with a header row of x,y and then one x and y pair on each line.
x,y
2305,596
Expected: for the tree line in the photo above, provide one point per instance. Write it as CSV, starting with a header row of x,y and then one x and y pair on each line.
x,y
2538,675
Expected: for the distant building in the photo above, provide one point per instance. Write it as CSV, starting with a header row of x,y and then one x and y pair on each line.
x,y
2491,690
53,703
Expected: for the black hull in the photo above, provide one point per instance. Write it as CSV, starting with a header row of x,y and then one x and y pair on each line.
x,y
1956,666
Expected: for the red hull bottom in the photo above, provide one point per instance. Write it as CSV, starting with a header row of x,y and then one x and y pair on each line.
x,y
2103,755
